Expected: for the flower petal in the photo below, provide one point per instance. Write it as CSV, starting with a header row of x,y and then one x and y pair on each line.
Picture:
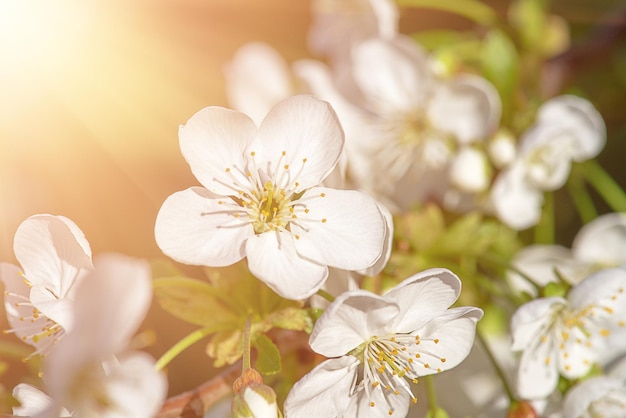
x,y
52,251
257,78
324,391
342,229
537,375
530,318
353,318
32,400
468,107
579,398
192,227
60,311
378,404
606,288
423,297
303,134
213,140
272,258
388,244
602,241
516,203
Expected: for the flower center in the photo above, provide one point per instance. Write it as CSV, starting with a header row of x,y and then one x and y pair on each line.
x,y
270,208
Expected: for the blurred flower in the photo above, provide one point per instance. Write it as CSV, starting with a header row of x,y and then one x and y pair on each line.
x,y
566,336
567,129
53,253
601,396
92,373
262,200
377,342
33,401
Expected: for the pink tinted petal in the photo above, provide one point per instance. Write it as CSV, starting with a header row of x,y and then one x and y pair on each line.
x,y
52,251
257,78
135,387
192,227
112,302
32,401
468,107
304,134
537,375
272,258
213,140
343,228
423,297
325,391
353,318
60,311
530,318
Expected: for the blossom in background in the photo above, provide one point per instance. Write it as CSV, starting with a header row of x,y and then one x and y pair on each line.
x,y
567,129
261,199
92,373
379,344
53,254
566,336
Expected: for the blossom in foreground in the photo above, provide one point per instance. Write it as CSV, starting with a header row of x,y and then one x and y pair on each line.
x,y
566,336
91,372
378,345
261,199
567,129
53,254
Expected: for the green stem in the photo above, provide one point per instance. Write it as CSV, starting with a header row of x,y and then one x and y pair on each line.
x,y
182,345
544,231
245,365
326,295
496,366
581,197
432,396
608,188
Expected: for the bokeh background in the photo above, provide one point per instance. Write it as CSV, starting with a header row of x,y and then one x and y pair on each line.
x,y
92,93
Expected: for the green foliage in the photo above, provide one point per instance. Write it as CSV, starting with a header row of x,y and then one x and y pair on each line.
x,y
223,303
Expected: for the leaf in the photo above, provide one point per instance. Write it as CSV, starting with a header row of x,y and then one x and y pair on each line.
x,y
226,347
471,9
192,300
529,19
296,319
500,63
268,359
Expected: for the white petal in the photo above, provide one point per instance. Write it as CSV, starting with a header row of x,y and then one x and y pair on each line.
x,y
259,405
343,228
135,388
353,318
423,297
579,398
32,400
257,78
468,107
517,204
272,258
213,140
602,241
581,120
393,75
52,251
575,359
324,391
447,339
537,375
469,170
385,404
304,133
530,318
193,228
60,311
600,288
388,244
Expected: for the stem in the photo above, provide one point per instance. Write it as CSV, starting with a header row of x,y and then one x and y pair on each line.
x,y
496,366
604,184
245,364
544,231
432,396
326,295
182,345
581,198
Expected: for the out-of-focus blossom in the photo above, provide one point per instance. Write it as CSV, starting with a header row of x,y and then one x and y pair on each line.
x,y
262,200
92,373
566,336
53,254
567,129
378,345
601,396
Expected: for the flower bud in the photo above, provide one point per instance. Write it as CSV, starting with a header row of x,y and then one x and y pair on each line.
x,y
522,409
252,398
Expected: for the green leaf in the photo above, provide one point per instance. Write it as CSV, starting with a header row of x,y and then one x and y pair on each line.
x,y
529,19
471,9
193,301
500,63
292,318
268,359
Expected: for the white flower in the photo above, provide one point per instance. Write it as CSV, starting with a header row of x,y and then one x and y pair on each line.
x,y
566,337
469,170
261,199
53,254
602,396
91,372
602,242
566,129
379,344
